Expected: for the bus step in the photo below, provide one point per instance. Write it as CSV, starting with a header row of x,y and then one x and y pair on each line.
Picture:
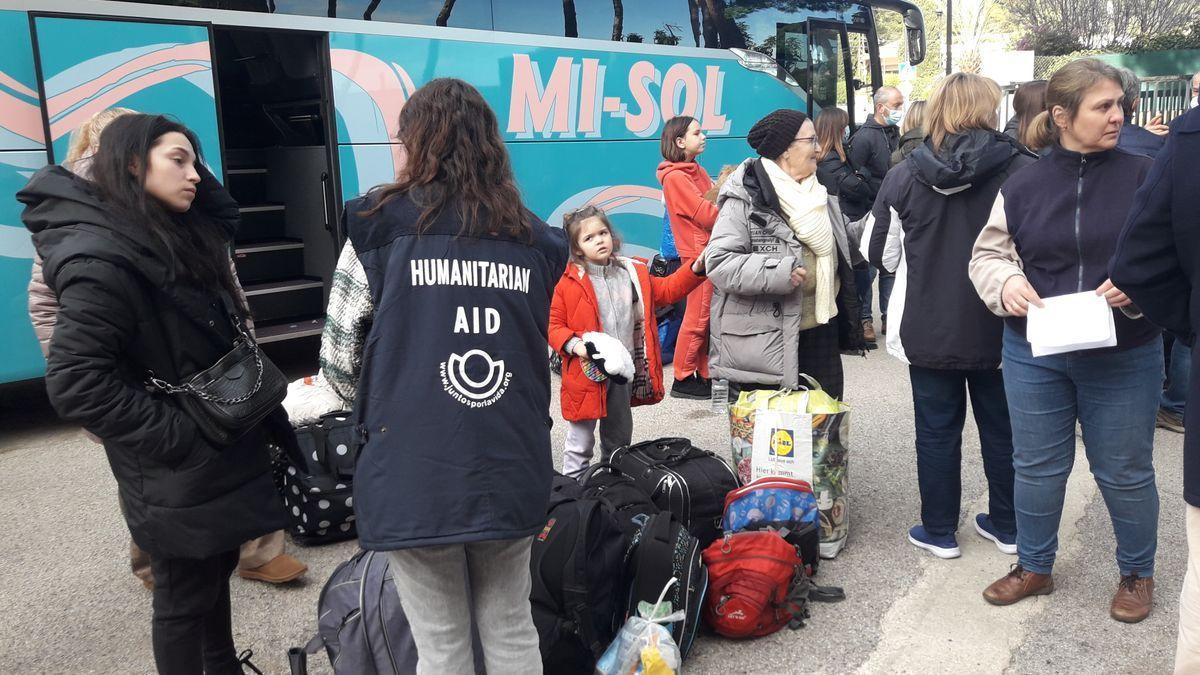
x,y
288,299
262,221
269,260
247,185
289,330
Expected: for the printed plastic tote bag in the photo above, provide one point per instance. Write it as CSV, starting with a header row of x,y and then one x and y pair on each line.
x,y
802,435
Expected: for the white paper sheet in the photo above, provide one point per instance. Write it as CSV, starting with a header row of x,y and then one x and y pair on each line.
x,y
1070,323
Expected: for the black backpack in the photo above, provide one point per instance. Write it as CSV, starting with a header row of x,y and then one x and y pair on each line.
x,y
630,505
680,478
315,477
577,565
663,549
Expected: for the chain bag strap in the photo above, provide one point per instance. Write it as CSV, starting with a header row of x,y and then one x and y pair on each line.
x,y
230,397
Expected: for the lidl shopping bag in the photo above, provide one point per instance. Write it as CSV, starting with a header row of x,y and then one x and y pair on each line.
x,y
771,421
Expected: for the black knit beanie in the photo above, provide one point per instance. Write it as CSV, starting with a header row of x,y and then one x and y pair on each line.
x,y
771,136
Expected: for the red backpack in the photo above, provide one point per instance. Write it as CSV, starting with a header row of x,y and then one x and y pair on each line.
x,y
753,579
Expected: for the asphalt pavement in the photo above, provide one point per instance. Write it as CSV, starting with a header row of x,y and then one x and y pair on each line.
x,y
69,604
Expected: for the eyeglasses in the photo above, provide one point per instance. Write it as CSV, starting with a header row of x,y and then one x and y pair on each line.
x,y
811,140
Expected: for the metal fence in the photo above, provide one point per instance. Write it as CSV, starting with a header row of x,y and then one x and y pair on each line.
x,y
1167,96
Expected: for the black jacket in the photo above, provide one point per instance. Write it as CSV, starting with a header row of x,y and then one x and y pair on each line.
x,y
454,395
1012,128
1157,262
870,153
1139,141
843,181
121,314
941,202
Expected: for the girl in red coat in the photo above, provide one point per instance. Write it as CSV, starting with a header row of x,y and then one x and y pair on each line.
x,y
692,218
601,319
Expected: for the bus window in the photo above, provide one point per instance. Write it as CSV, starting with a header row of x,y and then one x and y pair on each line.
x,y
827,57
453,13
665,22
568,18
860,82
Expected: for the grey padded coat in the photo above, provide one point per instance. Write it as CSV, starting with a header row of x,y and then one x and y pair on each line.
x,y
756,312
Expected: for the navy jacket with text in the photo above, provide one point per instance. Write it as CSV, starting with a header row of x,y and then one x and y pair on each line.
x,y
454,396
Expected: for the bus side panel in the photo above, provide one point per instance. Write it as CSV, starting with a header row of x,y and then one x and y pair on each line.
x,y
22,151
90,65
22,358
582,125
548,93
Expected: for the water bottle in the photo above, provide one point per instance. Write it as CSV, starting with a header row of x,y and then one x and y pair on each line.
x,y
719,403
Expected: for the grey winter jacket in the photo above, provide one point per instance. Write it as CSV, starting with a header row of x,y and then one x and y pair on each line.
x,y
755,316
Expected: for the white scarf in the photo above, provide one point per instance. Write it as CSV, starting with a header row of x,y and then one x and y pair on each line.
x,y
805,204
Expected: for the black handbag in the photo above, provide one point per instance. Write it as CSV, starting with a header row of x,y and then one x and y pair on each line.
x,y
230,397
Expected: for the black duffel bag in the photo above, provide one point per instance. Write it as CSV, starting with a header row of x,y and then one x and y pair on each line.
x,y
680,478
316,479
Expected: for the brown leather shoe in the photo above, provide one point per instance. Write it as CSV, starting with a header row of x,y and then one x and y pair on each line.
x,y
868,330
1133,599
1018,584
279,570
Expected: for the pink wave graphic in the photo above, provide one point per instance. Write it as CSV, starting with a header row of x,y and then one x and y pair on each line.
x,y
8,81
620,195
21,118
89,93
388,85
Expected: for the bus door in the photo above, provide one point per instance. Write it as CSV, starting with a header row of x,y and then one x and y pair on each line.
x,y
88,65
817,54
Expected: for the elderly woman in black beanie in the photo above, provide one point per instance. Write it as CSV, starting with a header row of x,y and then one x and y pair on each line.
x,y
785,302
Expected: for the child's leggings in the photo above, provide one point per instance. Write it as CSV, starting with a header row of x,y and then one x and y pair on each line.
x,y
615,430
691,348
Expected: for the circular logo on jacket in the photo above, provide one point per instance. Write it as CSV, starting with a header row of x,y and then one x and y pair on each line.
x,y
480,391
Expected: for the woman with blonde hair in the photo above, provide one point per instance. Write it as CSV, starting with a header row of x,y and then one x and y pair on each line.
x,y
912,132
1052,231
929,211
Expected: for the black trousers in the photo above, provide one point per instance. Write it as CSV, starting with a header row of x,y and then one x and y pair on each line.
x,y
193,626
940,409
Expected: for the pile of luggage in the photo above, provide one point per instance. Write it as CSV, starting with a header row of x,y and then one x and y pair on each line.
x,y
640,550
662,529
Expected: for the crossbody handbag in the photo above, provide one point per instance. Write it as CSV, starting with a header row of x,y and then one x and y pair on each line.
x,y
229,398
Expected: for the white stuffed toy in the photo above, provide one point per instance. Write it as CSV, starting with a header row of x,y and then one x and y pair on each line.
x,y
609,356
310,398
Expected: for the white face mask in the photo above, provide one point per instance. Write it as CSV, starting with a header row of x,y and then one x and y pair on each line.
x,y
894,117
1194,102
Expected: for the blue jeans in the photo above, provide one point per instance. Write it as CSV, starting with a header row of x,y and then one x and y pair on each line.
x,y
940,408
1115,398
1174,397
863,280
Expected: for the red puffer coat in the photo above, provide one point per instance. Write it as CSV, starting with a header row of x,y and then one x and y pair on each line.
x,y
574,311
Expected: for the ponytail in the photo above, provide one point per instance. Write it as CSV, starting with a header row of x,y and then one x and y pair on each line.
x,y
1041,132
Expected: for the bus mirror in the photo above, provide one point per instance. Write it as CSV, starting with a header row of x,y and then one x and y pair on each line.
x,y
759,62
914,28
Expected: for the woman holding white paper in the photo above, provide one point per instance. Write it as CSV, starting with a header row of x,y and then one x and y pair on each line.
x,y
1051,233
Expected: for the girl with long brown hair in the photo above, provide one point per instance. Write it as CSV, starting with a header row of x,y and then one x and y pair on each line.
x,y
437,330
692,217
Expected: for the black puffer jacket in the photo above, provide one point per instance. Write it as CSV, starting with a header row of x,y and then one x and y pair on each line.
x,y
929,213
840,179
121,314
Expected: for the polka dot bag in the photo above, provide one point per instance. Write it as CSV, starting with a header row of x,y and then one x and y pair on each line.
x,y
316,478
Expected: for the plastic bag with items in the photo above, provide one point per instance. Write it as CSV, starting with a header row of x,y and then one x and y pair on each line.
x,y
644,646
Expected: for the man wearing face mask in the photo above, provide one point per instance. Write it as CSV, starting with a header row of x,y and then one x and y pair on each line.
x,y
1195,100
870,154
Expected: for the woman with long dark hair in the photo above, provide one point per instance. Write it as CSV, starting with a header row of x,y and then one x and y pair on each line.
x,y
139,258
437,327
